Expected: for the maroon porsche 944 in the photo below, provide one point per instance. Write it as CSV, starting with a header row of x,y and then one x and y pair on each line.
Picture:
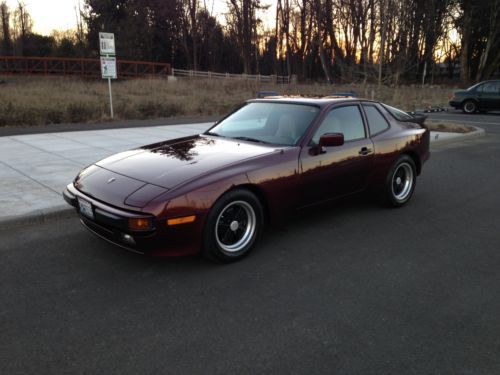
x,y
213,192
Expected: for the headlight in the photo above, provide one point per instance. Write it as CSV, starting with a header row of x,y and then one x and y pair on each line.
x,y
140,223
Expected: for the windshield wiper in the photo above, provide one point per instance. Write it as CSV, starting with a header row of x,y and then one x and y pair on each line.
x,y
250,139
213,133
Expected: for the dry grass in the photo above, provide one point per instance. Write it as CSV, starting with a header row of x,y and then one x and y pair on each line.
x,y
449,127
46,100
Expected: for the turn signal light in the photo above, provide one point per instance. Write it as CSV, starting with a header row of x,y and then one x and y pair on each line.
x,y
181,220
140,223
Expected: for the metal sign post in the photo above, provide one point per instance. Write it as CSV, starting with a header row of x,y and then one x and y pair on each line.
x,y
108,62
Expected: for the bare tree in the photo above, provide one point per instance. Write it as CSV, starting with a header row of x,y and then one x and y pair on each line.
x,y
5,29
22,25
190,34
490,58
320,39
465,41
80,34
242,20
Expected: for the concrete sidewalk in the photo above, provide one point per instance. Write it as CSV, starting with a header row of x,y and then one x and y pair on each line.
x,y
35,169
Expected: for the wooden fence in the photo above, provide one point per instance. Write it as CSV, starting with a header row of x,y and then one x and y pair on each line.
x,y
248,77
126,69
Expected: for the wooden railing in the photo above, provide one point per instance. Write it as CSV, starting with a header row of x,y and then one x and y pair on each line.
x,y
249,77
78,67
92,68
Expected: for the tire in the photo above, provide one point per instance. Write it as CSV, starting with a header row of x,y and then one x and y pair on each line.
x,y
400,182
469,107
233,225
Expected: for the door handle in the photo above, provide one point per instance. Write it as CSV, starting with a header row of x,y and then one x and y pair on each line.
x,y
365,151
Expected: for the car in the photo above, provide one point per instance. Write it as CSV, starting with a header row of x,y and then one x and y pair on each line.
x,y
214,193
352,94
267,94
482,97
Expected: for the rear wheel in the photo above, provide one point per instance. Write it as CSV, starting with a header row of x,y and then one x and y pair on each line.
x,y
400,182
233,225
469,106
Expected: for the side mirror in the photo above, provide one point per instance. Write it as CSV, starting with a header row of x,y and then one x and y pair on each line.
x,y
331,139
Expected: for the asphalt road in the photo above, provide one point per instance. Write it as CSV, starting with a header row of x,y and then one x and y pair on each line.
x,y
351,288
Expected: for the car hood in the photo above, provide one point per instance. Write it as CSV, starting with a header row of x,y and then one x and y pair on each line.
x,y
171,163
461,92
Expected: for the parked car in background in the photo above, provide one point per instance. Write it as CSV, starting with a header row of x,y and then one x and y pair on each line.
x,y
345,94
267,94
482,97
213,192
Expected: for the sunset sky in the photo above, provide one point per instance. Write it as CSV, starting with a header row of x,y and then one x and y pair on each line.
x,y
51,15
48,15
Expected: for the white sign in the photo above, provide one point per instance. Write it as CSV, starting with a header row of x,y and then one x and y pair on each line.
x,y
108,67
107,43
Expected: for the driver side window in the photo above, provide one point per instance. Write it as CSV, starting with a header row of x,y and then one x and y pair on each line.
x,y
346,120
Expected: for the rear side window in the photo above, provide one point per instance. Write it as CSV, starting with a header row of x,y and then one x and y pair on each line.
x,y
397,113
376,122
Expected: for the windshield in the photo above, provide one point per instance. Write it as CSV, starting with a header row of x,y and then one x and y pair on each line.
x,y
474,87
275,123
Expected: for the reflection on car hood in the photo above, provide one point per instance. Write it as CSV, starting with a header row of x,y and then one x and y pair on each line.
x,y
171,163
115,189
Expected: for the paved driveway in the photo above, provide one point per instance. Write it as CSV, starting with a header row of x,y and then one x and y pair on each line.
x,y
347,289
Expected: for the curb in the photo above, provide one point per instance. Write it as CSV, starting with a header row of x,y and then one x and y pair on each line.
x,y
479,132
37,216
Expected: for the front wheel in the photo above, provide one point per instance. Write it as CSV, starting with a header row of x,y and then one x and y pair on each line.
x,y
233,225
469,107
400,182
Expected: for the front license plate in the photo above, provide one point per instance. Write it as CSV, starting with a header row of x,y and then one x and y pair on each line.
x,y
85,208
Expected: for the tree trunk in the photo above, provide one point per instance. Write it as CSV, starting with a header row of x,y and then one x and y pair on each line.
x,y
466,35
319,38
194,31
491,55
4,19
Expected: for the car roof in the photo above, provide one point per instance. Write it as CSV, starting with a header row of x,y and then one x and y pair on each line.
x,y
317,101
487,81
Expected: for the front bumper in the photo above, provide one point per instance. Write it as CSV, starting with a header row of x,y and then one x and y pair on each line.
x,y
111,223
455,104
